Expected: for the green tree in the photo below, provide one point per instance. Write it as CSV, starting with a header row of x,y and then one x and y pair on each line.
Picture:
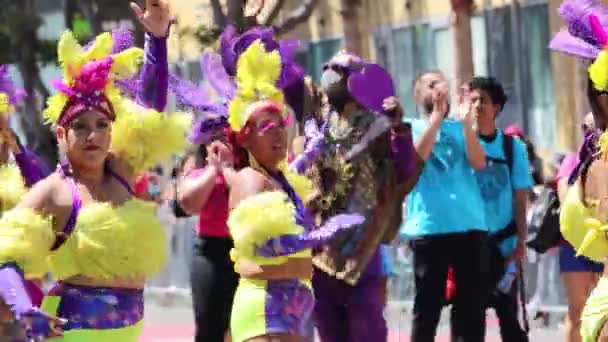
x,y
22,47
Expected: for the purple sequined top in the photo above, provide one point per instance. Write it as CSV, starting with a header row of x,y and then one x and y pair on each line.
x,y
587,153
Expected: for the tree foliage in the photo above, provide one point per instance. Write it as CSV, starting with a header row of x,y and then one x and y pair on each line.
x,y
234,12
23,48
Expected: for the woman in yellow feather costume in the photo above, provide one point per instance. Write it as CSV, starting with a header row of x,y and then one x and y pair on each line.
x,y
272,232
82,223
584,210
16,178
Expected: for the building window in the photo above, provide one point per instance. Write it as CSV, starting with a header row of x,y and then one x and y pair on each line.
x,y
444,50
538,79
412,51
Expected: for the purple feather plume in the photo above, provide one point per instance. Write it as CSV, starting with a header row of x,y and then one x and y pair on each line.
x,y
7,86
583,37
229,57
564,42
315,142
216,75
191,97
122,39
206,127
333,226
232,46
290,244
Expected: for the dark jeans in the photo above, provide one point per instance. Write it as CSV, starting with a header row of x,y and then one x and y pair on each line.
x,y
345,313
213,283
468,254
507,311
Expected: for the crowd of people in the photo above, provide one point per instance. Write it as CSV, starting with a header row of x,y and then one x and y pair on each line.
x,y
298,189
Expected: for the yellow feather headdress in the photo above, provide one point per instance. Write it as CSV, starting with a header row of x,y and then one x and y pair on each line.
x,y
89,74
257,73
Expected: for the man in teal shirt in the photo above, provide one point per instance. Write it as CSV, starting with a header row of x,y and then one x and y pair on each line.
x,y
504,184
446,223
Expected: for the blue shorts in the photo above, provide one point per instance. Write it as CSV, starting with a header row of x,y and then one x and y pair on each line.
x,y
569,262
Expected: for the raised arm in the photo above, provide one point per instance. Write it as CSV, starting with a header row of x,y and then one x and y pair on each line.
x,y
424,144
33,168
196,188
475,153
474,150
155,71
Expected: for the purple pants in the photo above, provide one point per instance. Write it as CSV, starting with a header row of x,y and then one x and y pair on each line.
x,y
345,313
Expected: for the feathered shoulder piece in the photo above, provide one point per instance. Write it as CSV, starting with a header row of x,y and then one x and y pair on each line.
x,y
257,73
89,76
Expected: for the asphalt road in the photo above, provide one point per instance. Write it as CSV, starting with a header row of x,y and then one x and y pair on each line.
x,y
170,320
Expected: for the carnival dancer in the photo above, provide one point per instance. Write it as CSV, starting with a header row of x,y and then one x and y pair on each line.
x,y
361,160
29,168
584,210
268,222
82,223
205,191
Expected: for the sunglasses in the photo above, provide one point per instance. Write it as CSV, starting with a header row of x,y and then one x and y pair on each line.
x,y
268,125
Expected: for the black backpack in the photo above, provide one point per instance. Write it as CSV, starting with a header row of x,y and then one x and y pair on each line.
x,y
543,222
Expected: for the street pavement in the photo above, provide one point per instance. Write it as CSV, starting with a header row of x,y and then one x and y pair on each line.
x,y
170,320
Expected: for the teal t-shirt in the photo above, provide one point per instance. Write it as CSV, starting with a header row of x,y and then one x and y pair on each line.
x,y
497,183
446,198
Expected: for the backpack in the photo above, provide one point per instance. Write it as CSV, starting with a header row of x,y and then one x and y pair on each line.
x,y
543,221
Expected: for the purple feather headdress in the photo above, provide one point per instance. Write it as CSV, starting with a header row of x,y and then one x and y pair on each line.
x,y
232,46
123,39
580,38
209,102
12,94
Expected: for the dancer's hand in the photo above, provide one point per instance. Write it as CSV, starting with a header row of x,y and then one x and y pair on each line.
x,y
39,326
253,8
392,106
156,17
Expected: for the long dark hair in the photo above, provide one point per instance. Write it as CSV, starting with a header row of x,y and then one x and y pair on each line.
x,y
239,153
599,113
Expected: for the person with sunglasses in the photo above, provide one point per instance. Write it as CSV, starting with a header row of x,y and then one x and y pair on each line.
x,y
205,189
272,229
361,159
